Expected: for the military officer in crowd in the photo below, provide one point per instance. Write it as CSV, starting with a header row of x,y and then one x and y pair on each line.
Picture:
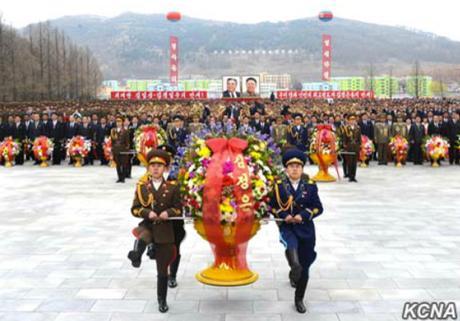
x,y
296,201
382,139
156,200
120,149
279,131
297,134
351,136
177,134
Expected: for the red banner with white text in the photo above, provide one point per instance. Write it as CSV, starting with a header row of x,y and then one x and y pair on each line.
x,y
158,95
174,61
334,94
327,57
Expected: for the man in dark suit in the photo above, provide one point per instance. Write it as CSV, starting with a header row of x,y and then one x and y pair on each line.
x,y
233,112
102,132
434,128
416,135
36,129
231,91
19,135
56,132
454,137
86,131
367,128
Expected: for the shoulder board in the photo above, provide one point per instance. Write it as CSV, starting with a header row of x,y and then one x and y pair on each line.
x,y
312,182
144,179
172,182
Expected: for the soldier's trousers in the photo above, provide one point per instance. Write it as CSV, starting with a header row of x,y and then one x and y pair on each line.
x,y
382,152
165,255
352,164
417,154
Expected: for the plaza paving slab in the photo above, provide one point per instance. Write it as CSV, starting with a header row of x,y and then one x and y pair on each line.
x,y
65,232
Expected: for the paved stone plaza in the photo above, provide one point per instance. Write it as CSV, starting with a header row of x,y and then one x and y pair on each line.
x,y
65,233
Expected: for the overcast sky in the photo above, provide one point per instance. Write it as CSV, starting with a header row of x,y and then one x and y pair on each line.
x,y
439,17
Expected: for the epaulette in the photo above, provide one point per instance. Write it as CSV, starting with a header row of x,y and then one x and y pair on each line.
x,y
312,182
174,182
144,179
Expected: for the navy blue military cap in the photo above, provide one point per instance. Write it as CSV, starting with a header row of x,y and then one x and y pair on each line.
x,y
294,155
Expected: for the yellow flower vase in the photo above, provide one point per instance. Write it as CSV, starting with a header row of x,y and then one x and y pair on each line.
x,y
323,173
8,164
44,164
112,164
230,266
77,162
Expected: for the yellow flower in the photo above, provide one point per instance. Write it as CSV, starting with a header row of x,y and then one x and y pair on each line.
x,y
255,155
204,152
259,183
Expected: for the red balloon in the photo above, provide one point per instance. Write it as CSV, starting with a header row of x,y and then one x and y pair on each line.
x,y
325,16
174,16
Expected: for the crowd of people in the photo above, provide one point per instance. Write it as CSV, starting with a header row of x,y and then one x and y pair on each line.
x,y
288,122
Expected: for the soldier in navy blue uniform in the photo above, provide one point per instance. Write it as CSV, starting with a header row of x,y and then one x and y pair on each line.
x,y
177,134
297,202
297,134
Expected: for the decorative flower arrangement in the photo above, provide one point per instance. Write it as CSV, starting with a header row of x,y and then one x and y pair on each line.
x,y
42,148
107,147
367,148
146,138
437,148
324,141
255,168
399,147
9,149
78,147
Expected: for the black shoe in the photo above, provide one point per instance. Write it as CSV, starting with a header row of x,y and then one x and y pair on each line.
x,y
300,306
353,180
136,254
121,181
172,282
162,291
162,306
136,258
128,177
292,282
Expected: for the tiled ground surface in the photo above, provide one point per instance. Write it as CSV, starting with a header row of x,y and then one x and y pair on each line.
x,y
65,233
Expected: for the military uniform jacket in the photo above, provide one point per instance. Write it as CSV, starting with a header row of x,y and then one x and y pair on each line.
x,y
279,133
381,133
304,201
120,141
351,138
298,136
166,198
399,129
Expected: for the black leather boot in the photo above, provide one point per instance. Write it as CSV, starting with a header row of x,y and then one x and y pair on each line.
x,y
162,291
296,268
136,254
300,294
172,282
291,281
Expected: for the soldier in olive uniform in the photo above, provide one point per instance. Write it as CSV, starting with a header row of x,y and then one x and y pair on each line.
x,y
351,145
157,200
279,131
195,126
381,139
120,146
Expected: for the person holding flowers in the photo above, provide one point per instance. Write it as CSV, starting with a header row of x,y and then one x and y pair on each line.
x,y
297,202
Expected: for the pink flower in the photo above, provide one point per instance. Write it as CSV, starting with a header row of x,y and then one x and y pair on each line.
x,y
228,167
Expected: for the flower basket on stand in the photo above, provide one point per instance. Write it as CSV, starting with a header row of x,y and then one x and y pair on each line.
x,y
9,149
399,147
437,149
323,151
42,149
78,149
366,151
226,182
148,137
